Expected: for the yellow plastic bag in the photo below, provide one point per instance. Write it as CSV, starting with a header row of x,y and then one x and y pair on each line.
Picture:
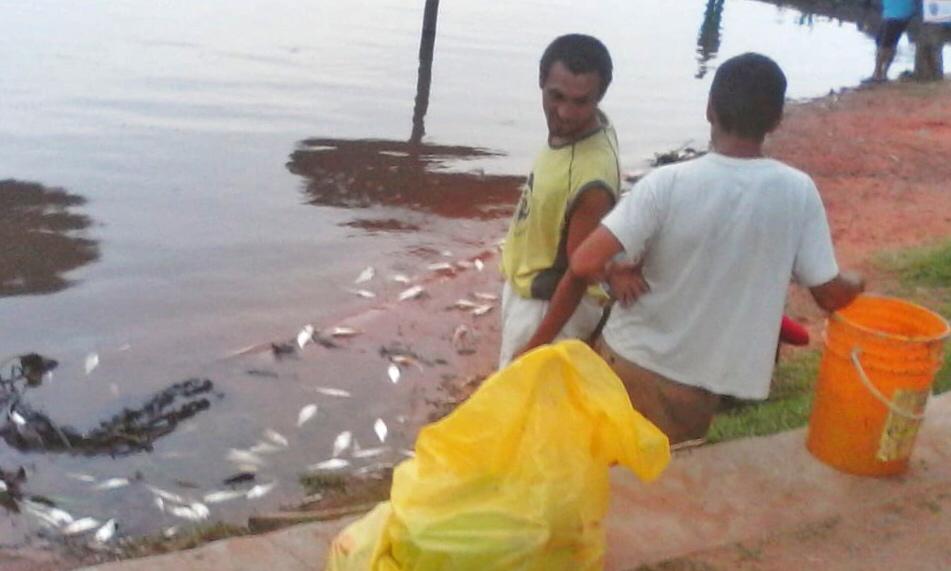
x,y
516,478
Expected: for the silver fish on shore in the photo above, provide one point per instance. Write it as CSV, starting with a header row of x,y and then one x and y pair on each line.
x,y
393,372
276,437
332,464
344,332
406,361
81,526
306,413
332,392
222,496
342,442
485,296
481,310
107,531
479,265
379,427
167,496
112,484
370,452
200,509
365,294
400,278
260,490
185,512
439,267
411,293
464,304
305,336
92,361
366,275
237,456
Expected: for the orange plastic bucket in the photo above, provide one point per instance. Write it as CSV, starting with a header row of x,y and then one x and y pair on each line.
x,y
879,361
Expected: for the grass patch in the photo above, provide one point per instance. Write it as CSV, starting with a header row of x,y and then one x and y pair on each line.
x,y
921,275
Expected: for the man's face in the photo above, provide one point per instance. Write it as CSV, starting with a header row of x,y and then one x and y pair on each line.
x,y
570,101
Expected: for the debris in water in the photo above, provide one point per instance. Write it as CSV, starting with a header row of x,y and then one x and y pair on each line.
x,y
276,437
344,332
479,264
81,526
222,496
107,531
401,278
342,442
363,293
393,371
481,310
92,361
306,414
366,275
112,484
244,457
332,392
380,428
305,336
411,293
332,464
240,478
260,490
485,296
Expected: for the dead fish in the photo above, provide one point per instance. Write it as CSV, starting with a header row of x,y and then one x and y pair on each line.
x,y
380,428
464,264
200,509
440,267
81,477
400,278
305,336
363,293
159,503
112,484
464,304
244,457
408,453
3,487
276,437
344,332
168,496
406,361
107,531
370,452
393,371
331,392
260,490
92,361
81,526
332,464
485,296
342,442
264,448
481,310
306,414
377,467
366,275
185,512
222,496
411,293
170,532
17,418
479,265
447,253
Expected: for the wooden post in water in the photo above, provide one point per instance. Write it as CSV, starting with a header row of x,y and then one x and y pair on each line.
x,y
427,43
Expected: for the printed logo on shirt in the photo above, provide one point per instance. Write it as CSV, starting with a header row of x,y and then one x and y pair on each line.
x,y
524,204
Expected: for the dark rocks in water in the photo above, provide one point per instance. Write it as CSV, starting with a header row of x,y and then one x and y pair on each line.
x,y
11,490
676,156
31,367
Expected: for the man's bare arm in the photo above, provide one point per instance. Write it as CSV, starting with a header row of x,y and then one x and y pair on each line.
x,y
839,291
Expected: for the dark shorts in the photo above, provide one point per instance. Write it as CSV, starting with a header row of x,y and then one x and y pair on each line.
x,y
890,32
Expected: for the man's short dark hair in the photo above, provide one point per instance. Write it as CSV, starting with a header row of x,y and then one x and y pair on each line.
x,y
747,95
580,54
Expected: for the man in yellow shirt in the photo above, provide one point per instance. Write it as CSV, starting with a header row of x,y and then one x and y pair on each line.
x,y
574,182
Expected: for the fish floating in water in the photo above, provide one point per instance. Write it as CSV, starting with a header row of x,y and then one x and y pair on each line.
x,y
464,304
440,267
481,310
366,275
344,332
342,442
485,296
370,452
222,496
305,336
332,464
365,294
393,372
400,278
332,392
479,264
237,456
306,414
92,361
411,293
276,437
112,484
81,526
260,490
107,531
380,428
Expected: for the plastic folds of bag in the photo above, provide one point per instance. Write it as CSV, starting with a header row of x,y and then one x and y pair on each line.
x,y
516,478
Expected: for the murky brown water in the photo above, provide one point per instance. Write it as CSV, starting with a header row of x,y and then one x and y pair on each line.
x,y
184,179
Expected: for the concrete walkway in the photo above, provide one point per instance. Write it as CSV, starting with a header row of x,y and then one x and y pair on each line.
x,y
758,504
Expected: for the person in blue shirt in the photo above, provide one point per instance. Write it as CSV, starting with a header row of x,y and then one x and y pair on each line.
x,y
896,15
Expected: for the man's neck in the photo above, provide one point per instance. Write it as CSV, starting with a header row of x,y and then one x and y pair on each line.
x,y
595,124
731,145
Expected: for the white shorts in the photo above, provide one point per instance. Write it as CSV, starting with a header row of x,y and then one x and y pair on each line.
x,y
521,318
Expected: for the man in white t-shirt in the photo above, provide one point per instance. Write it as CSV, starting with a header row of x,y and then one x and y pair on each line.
x,y
719,238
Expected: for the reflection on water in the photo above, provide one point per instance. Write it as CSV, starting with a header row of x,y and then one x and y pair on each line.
x,y
708,42
38,237
366,172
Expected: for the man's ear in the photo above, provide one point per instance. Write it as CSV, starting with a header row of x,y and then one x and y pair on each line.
x,y
711,114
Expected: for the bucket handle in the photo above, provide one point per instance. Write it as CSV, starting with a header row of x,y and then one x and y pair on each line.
x,y
857,363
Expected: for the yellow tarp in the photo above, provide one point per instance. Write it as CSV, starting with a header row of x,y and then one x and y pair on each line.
x,y
516,478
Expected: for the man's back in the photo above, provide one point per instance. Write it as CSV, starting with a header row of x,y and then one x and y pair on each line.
x,y
721,238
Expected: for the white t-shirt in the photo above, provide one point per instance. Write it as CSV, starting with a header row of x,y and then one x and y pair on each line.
x,y
721,239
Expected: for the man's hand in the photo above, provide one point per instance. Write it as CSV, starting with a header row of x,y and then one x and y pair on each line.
x,y
839,291
626,282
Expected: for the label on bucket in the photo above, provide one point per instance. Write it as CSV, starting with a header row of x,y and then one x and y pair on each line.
x,y
899,433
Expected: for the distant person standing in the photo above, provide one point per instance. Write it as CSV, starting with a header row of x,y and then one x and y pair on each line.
x,y
574,182
896,15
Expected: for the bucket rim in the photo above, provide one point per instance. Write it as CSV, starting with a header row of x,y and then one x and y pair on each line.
x,y
910,338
